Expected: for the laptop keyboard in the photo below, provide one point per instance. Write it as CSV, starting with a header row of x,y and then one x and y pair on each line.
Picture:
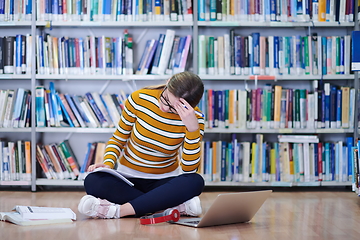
x,y
193,222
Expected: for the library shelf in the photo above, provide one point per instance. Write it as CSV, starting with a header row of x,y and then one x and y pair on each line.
x,y
114,24
27,129
56,182
15,76
102,77
16,24
15,183
74,130
273,24
279,131
278,77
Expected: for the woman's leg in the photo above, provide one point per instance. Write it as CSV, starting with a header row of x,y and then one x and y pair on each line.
x,y
167,193
147,196
106,186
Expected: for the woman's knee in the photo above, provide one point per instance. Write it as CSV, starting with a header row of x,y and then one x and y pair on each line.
x,y
91,184
197,181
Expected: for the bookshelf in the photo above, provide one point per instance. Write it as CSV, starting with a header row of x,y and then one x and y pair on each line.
x,y
356,189
148,30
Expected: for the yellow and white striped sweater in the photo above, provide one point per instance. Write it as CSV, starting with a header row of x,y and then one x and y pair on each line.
x,y
153,138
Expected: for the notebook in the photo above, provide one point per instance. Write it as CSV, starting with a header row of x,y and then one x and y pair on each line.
x,y
229,208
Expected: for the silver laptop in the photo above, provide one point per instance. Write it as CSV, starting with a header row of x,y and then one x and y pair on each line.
x,y
229,208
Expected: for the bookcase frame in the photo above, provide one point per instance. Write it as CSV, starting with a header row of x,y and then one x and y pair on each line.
x,y
195,25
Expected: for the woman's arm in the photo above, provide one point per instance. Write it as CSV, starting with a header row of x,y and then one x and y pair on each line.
x,y
191,151
117,142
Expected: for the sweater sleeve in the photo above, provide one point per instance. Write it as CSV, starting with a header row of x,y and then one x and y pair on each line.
x,y
117,142
191,151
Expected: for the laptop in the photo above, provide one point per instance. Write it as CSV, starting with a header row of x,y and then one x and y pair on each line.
x,y
229,208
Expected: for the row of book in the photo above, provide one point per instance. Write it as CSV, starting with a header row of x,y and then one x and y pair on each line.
x,y
275,107
111,56
277,10
64,165
271,107
274,55
166,55
114,10
230,54
54,109
15,160
89,55
293,158
57,161
180,10
15,54
15,10
15,108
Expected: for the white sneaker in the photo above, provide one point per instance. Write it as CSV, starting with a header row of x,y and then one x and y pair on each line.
x,y
191,207
96,207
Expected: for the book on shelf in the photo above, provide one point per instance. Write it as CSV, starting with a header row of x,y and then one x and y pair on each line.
x,y
273,11
68,110
70,157
95,108
58,166
88,160
166,51
15,54
99,152
298,138
275,55
275,107
106,11
58,161
14,107
84,55
92,110
32,215
8,108
355,51
15,160
285,161
2,49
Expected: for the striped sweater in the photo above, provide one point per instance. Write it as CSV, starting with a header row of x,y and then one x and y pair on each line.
x,y
151,139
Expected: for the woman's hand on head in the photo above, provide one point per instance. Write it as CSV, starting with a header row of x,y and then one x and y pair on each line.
x,y
187,115
97,165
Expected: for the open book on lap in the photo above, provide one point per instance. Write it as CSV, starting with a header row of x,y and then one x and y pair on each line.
x,y
114,173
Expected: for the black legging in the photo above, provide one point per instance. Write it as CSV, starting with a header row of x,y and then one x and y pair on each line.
x,y
147,195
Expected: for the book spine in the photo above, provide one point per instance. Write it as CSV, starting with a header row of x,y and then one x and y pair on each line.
x,y
70,158
55,105
96,110
155,65
40,107
150,57
166,51
75,110
232,52
327,104
65,112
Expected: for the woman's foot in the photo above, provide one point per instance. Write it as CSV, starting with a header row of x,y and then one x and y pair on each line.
x,y
191,207
96,207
